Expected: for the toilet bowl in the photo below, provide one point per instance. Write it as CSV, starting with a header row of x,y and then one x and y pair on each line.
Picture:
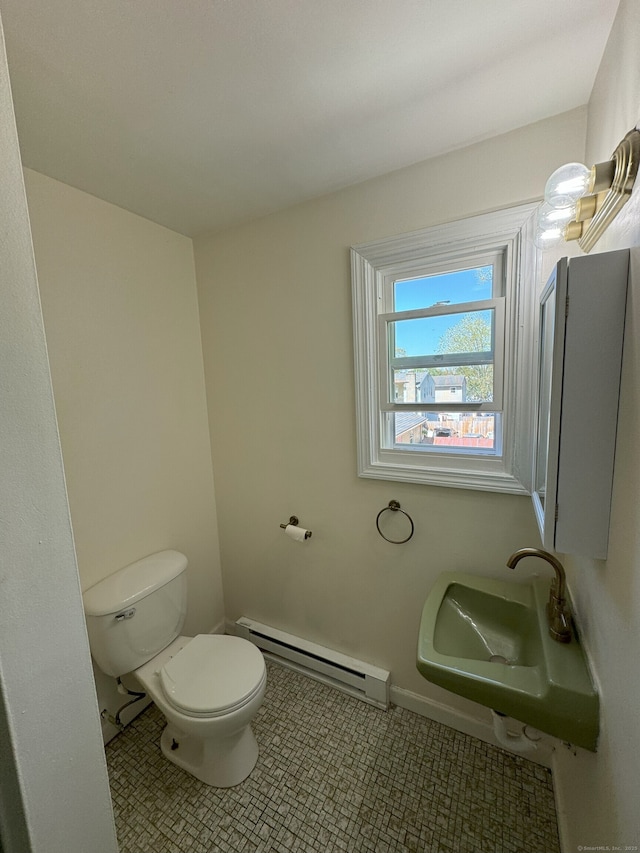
x,y
209,687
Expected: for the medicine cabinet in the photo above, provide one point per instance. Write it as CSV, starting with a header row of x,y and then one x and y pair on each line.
x,y
582,310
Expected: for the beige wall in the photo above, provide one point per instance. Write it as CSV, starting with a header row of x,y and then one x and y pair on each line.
x,y
275,303
54,790
121,317
601,793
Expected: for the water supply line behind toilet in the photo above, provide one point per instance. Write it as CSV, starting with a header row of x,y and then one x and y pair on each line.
x,y
115,719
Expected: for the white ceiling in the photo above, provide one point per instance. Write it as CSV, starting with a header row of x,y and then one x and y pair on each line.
x,y
199,114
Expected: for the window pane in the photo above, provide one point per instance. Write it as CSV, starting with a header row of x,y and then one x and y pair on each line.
x,y
471,331
448,288
432,430
469,383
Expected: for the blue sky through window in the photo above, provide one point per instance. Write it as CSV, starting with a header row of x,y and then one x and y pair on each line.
x,y
419,337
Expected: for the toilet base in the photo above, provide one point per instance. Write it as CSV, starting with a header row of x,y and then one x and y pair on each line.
x,y
221,763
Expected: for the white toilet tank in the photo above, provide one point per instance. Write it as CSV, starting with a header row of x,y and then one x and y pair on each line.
x,y
135,613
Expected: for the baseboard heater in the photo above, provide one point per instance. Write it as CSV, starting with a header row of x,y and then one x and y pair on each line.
x,y
352,676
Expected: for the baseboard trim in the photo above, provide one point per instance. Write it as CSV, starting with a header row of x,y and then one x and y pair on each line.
x,y
567,766
452,717
465,723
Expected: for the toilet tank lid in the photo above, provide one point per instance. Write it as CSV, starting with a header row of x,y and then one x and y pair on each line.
x,y
133,582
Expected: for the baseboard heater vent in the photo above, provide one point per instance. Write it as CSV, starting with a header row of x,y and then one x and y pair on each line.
x,y
352,676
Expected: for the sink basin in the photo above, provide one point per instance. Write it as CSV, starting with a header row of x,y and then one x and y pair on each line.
x,y
488,640
475,624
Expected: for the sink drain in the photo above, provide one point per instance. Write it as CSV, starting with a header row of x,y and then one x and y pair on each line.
x,y
498,659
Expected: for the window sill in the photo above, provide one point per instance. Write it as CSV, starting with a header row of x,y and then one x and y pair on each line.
x,y
485,481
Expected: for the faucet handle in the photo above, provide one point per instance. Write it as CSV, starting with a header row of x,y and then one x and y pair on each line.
x,y
558,615
559,620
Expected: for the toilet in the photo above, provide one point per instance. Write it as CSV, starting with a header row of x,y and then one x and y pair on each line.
x,y
208,687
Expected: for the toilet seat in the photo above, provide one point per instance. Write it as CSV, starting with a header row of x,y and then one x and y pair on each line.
x,y
214,674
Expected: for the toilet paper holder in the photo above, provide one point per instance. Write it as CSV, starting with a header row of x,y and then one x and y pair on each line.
x,y
293,521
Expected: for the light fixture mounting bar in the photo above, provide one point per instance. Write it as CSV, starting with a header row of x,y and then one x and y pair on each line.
x,y
626,158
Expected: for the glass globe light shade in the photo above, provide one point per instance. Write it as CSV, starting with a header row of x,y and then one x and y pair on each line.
x,y
554,217
550,225
549,238
567,184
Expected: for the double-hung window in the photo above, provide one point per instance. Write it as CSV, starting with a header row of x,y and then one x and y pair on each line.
x,y
444,328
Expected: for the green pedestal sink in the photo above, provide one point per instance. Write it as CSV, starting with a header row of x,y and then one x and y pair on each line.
x,y
488,640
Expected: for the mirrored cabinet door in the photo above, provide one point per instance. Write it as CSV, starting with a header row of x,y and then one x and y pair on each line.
x,y
582,311
551,336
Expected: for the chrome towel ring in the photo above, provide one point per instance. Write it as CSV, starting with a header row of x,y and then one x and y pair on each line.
x,y
394,506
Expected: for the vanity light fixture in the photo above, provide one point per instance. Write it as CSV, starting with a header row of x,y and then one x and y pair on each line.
x,y
580,203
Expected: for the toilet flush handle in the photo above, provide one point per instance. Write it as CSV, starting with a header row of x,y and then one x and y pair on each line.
x,y
126,614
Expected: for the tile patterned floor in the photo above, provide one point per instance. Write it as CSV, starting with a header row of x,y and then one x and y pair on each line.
x,y
334,774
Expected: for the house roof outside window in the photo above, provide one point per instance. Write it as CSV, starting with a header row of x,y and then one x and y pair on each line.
x,y
448,381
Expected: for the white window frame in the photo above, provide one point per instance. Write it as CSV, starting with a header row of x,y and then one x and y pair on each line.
x,y
386,360
466,243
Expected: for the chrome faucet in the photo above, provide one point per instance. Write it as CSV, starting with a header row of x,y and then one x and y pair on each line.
x,y
558,614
